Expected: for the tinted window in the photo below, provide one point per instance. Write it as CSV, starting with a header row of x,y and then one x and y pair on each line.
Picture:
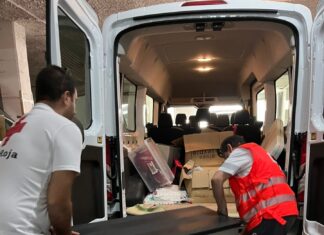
x,y
75,57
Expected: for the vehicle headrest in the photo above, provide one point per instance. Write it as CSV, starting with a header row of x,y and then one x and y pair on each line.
x,y
242,117
213,118
193,121
149,125
203,114
165,120
258,124
181,119
222,120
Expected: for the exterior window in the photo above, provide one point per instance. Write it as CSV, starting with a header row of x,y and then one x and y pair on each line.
x,y
75,49
282,98
261,106
128,105
188,110
148,109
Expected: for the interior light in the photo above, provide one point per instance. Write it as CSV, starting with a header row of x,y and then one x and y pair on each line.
x,y
203,124
204,69
204,59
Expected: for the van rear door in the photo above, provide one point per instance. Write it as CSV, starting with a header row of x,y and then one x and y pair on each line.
x,y
74,41
314,190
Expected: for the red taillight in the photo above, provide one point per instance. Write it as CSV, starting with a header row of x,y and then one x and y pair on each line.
x,y
202,3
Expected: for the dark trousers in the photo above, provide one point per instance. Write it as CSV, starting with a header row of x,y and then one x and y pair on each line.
x,y
272,227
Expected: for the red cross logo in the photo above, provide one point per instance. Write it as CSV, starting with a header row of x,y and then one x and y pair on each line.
x,y
19,125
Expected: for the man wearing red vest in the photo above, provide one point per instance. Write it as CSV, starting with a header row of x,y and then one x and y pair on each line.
x,y
263,198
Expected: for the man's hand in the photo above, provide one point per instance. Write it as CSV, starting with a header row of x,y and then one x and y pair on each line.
x,y
217,184
59,201
222,212
53,232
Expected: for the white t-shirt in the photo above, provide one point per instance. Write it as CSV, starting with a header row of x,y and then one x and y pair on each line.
x,y
42,143
238,163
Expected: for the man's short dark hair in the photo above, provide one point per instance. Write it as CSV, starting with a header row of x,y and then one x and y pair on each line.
x,y
234,141
52,82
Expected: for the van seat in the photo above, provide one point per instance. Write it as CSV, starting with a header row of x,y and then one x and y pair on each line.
x,y
274,141
193,125
241,117
222,121
181,119
243,127
203,114
213,119
165,133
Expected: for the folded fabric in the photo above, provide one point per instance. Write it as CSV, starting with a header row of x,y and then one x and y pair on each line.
x,y
141,209
167,195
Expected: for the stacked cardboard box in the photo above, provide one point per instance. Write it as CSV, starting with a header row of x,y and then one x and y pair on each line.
x,y
201,156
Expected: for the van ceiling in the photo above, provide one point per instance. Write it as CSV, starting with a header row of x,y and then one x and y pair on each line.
x,y
240,50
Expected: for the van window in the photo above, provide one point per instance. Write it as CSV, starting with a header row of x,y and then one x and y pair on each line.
x,y
75,57
261,105
148,109
282,98
128,105
188,110
225,109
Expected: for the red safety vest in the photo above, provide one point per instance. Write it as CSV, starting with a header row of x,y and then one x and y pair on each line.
x,y
263,193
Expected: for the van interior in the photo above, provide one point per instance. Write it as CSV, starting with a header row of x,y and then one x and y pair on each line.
x,y
189,77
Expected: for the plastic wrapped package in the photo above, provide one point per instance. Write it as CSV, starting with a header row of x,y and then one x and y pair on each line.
x,y
151,165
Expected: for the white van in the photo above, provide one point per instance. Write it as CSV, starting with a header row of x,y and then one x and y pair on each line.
x,y
263,56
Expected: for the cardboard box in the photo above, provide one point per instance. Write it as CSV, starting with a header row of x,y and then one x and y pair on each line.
x,y
170,153
198,184
202,148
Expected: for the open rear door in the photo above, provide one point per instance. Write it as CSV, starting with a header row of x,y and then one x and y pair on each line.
x,y
314,191
74,41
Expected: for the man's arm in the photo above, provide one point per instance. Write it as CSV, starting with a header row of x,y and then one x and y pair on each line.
x,y
217,183
59,201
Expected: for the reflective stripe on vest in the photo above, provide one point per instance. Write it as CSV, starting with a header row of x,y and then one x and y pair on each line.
x,y
267,203
272,181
